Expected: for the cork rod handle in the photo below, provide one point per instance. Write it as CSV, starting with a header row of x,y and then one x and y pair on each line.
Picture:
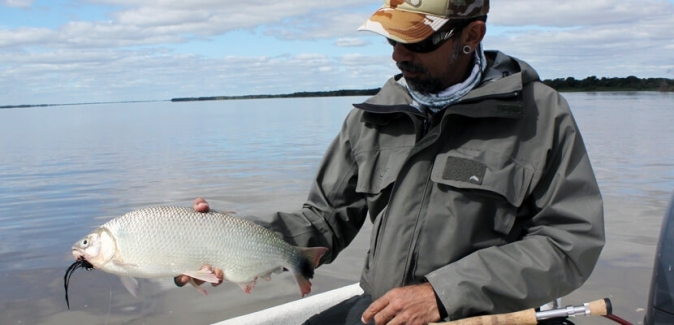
x,y
601,307
525,317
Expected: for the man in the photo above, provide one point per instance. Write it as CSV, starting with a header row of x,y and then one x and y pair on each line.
x,y
472,171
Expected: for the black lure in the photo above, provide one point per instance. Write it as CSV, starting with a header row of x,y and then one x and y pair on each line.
x,y
80,263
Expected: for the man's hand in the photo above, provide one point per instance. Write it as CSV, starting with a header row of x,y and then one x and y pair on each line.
x,y
199,205
183,279
410,305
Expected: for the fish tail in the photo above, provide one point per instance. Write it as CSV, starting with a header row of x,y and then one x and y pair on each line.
x,y
312,257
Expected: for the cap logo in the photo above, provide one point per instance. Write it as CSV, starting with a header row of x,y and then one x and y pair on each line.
x,y
414,3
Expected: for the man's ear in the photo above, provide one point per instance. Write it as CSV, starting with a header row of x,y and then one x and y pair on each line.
x,y
473,34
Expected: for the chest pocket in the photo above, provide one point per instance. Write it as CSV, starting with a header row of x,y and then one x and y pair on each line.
x,y
486,173
378,169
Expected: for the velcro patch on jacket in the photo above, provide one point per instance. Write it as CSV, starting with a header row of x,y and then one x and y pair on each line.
x,y
509,109
464,170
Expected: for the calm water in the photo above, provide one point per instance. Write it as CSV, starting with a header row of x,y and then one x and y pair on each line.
x,y
65,170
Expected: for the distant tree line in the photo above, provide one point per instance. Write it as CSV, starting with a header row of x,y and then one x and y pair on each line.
x,y
593,83
75,104
334,93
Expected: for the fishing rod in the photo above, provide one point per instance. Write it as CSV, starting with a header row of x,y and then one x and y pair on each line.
x,y
601,307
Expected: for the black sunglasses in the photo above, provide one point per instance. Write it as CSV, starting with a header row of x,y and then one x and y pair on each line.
x,y
428,45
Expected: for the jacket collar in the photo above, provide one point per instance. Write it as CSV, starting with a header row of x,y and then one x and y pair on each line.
x,y
499,94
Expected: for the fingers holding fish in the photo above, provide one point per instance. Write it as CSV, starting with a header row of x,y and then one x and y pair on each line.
x,y
200,205
184,279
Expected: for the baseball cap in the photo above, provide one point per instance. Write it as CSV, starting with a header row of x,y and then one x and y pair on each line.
x,y
411,21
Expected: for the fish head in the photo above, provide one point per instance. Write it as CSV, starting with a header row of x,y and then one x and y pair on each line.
x,y
97,248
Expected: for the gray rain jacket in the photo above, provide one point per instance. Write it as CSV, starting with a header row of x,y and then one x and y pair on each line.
x,y
493,201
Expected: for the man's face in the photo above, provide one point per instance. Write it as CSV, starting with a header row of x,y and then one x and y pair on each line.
x,y
420,78
432,72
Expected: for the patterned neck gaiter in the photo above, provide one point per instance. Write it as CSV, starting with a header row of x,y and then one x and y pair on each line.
x,y
437,102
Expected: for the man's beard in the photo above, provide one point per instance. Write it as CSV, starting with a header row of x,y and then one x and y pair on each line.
x,y
427,84
424,85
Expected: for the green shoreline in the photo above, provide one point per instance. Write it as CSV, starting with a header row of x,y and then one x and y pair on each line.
x,y
304,94
77,104
570,84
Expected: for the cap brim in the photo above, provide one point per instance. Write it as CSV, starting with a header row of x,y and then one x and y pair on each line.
x,y
403,26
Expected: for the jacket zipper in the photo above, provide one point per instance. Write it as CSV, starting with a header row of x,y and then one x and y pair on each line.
x,y
428,124
415,233
384,218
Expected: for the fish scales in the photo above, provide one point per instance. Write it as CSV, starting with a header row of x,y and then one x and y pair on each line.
x,y
164,241
181,238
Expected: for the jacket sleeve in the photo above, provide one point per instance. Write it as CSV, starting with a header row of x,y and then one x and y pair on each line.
x,y
563,234
333,213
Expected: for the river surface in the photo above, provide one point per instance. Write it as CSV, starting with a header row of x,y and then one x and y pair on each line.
x,y
65,170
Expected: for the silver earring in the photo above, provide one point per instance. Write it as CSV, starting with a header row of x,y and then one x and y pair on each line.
x,y
467,49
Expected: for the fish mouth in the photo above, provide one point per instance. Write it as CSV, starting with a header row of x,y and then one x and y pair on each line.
x,y
81,262
77,254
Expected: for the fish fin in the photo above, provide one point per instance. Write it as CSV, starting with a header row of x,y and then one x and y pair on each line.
x,y
267,276
313,254
248,287
303,283
198,287
130,284
305,270
203,275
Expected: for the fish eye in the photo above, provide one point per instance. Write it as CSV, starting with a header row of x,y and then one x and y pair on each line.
x,y
85,242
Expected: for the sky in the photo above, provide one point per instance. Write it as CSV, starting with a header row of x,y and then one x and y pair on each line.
x,y
84,51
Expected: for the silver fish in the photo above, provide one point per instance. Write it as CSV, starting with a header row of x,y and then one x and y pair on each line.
x,y
165,241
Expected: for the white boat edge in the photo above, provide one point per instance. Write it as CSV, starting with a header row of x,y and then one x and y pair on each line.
x,y
298,311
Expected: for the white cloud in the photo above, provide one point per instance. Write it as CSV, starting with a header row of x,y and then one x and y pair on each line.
x,y
328,24
132,56
173,21
17,3
24,37
578,38
353,60
118,75
352,42
210,17
576,12
84,35
151,17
